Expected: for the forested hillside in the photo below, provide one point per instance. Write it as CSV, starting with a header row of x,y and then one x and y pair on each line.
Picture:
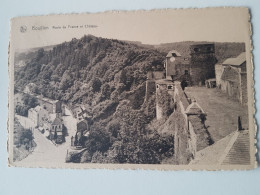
x,y
89,69
109,77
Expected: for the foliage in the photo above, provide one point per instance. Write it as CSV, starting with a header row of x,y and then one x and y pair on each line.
x,y
26,136
105,92
93,64
22,140
98,141
22,110
166,102
109,75
28,102
96,85
126,139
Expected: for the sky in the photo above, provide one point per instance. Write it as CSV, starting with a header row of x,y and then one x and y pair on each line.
x,y
154,27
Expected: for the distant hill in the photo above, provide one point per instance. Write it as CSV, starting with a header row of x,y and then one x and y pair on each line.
x,y
222,50
22,57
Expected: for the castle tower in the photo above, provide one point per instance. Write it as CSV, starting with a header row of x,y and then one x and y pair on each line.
x,y
202,63
172,59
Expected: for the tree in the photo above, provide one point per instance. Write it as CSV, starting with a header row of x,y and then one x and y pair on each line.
x,y
98,140
66,80
105,91
22,110
35,89
26,136
33,102
30,101
114,128
40,54
96,84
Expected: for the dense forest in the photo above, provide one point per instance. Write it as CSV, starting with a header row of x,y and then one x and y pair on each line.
x,y
109,77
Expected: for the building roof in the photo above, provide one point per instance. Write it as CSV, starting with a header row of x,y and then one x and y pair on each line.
x,y
236,61
57,121
194,108
81,109
229,74
239,152
52,116
173,53
158,74
36,109
232,149
77,109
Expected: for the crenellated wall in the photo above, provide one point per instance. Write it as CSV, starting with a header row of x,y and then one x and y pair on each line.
x,y
188,120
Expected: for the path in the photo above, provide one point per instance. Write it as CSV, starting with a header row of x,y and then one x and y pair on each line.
x,y
222,111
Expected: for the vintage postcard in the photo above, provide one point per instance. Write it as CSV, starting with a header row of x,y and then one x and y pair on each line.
x,y
160,89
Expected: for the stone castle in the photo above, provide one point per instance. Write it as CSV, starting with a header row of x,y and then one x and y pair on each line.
x,y
187,117
194,69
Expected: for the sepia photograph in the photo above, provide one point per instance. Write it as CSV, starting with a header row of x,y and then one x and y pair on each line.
x,y
160,89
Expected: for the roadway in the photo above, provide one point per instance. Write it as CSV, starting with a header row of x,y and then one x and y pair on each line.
x,y
46,152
